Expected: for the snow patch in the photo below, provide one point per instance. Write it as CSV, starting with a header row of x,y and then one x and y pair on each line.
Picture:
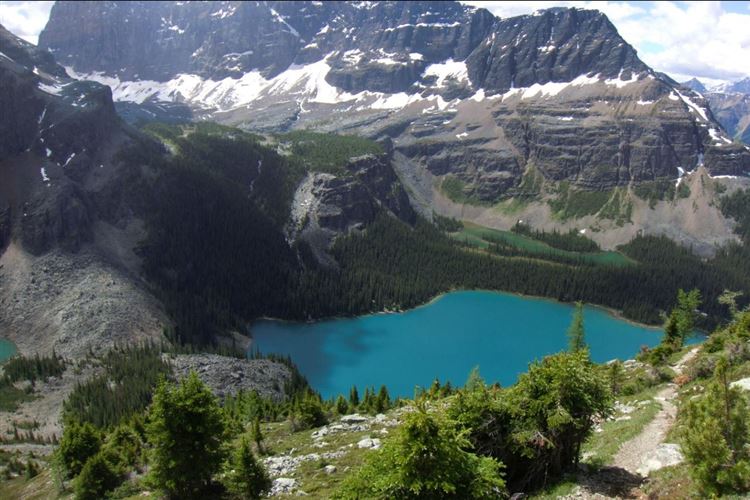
x,y
694,107
50,89
44,175
70,158
448,70
551,88
717,137
278,17
619,82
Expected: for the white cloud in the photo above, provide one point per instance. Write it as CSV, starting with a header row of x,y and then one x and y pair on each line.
x,y
25,19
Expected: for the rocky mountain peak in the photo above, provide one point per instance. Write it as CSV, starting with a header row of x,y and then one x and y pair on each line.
x,y
553,45
696,85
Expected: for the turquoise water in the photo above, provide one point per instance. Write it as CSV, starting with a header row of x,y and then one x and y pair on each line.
x,y
7,349
499,332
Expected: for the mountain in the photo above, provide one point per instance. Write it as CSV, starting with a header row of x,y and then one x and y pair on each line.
x,y
730,103
95,216
549,118
696,85
61,190
478,109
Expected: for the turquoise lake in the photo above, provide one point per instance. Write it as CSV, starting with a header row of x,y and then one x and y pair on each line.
x,y
7,349
499,332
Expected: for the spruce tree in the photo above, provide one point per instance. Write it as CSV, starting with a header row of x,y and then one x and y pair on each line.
x,y
246,478
258,435
717,437
353,398
576,333
186,430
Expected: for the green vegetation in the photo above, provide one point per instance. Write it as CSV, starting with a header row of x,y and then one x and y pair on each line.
x,y
186,428
11,396
655,191
737,206
573,203
79,442
572,241
576,333
427,459
33,369
447,224
517,244
245,477
537,427
125,387
329,153
456,189
717,435
680,324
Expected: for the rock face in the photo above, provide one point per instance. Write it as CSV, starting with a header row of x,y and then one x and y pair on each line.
x,y
326,205
460,92
67,229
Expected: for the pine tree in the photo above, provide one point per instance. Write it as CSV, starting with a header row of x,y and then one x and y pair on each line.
x,y
342,407
186,429
576,333
383,401
353,398
246,478
717,437
79,442
257,435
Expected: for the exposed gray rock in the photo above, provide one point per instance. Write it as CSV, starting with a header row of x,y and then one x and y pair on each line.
x,y
743,384
665,455
369,443
227,376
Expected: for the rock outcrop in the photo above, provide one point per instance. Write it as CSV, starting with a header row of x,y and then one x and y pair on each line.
x,y
227,376
326,206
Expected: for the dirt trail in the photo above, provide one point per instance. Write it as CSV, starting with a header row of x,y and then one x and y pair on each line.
x,y
634,454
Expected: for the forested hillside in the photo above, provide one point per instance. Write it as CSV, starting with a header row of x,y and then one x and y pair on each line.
x,y
218,253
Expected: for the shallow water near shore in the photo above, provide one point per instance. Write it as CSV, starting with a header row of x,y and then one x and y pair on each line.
x,y
7,349
499,332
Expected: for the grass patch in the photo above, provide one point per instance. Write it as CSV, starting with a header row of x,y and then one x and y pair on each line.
x,y
483,237
672,482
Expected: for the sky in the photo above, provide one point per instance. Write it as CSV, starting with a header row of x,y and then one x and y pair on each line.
x,y
707,40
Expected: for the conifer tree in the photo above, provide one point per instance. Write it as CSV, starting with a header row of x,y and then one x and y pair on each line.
x,y
186,429
576,333
342,407
246,478
717,437
353,398
257,435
